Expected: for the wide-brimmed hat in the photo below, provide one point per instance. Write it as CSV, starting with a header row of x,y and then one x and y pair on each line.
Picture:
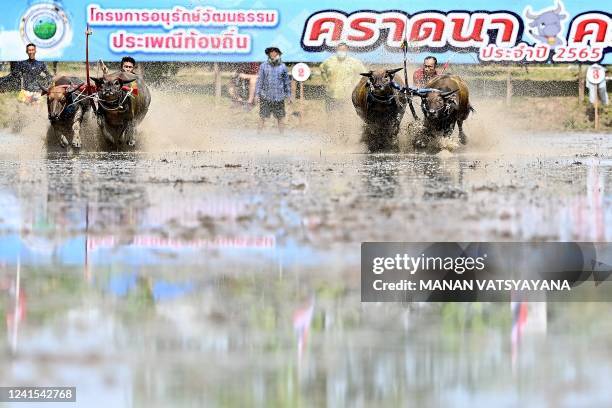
x,y
270,49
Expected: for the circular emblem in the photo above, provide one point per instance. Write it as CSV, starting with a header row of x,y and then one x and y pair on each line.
x,y
44,25
300,72
596,74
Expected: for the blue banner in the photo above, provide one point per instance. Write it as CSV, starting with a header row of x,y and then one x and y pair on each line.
x,y
240,30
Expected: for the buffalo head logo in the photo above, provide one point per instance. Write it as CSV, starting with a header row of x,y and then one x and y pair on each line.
x,y
546,25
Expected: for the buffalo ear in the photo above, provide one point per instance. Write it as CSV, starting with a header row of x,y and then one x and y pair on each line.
x,y
367,74
446,94
127,81
98,81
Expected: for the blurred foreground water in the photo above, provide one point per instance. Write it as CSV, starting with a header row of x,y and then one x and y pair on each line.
x,y
232,279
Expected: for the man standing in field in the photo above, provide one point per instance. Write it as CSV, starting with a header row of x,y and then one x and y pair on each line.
x,y
340,74
31,74
273,86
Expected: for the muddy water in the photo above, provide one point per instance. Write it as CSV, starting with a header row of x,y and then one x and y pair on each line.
x,y
230,276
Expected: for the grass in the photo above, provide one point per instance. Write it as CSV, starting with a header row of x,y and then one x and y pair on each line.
x,y
202,73
558,113
563,72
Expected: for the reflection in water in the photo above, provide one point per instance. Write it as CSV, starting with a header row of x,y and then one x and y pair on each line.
x,y
302,319
527,317
587,213
166,282
380,175
444,179
16,308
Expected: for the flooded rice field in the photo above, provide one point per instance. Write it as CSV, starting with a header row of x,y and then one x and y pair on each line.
x,y
229,276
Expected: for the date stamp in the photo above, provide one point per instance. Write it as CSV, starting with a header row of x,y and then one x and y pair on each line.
x,y
37,394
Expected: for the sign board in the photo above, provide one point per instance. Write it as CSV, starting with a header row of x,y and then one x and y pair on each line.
x,y
300,72
472,31
596,74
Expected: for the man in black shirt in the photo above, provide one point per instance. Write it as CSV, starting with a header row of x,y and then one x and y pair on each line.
x,y
32,72
26,75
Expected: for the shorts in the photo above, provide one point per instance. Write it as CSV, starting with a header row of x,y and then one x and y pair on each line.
x,y
276,108
28,97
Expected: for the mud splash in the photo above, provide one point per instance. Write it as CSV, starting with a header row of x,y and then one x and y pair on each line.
x,y
182,121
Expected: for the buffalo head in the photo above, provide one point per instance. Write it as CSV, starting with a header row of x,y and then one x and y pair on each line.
x,y
436,103
380,80
58,98
112,87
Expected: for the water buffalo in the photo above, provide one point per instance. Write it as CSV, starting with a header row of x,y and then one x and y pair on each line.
x,y
380,104
444,102
66,106
123,102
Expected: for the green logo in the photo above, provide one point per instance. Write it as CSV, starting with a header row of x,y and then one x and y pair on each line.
x,y
45,25
45,28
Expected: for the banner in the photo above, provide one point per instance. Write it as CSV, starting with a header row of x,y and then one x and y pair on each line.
x,y
235,30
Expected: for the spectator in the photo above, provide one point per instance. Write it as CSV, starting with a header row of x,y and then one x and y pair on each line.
x,y
27,76
340,73
427,72
33,72
273,86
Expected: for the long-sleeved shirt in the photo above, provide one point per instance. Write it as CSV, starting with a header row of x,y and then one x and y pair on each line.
x,y
419,79
273,82
341,76
32,72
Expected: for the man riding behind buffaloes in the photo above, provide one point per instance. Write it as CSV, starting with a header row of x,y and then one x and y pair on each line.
x,y
128,64
427,72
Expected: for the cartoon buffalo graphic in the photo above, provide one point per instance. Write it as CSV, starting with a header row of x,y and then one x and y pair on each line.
x,y
546,25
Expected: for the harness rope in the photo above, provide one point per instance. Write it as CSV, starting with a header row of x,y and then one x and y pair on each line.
x,y
120,106
81,97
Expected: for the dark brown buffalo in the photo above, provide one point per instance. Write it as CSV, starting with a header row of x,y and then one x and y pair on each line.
x,y
123,102
66,106
381,106
444,102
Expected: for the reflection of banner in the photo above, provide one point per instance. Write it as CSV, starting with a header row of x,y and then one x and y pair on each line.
x,y
157,242
239,30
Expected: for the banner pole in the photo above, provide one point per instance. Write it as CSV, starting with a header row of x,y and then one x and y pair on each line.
x,y
88,32
596,109
405,49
